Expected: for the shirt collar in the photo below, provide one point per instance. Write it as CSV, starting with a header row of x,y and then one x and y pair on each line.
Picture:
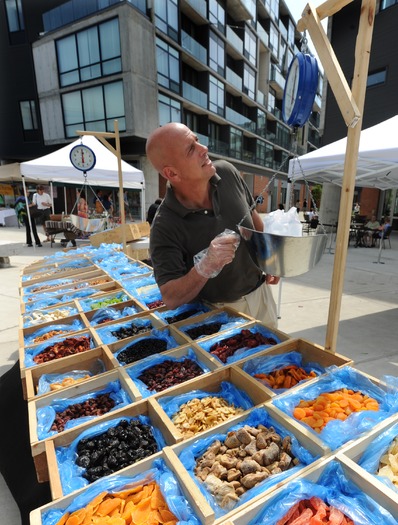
x,y
175,205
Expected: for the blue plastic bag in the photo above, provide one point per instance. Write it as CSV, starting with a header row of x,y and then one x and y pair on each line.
x,y
134,371
32,352
335,490
185,310
70,473
75,326
337,432
172,404
243,352
46,380
105,333
268,363
257,416
95,302
370,459
31,319
105,313
46,415
164,477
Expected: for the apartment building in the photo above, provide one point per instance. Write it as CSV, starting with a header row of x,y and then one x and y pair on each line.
x,y
218,66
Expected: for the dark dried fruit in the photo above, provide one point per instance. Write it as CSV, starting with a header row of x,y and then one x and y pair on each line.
x,y
181,316
169,373
69,346
142,349
245,339
131,330
204,329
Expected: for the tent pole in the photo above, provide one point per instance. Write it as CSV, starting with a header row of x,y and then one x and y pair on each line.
x,y
52,195
351,106
65,202
121,194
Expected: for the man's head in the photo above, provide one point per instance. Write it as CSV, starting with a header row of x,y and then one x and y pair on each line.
x,y
175,152
39,188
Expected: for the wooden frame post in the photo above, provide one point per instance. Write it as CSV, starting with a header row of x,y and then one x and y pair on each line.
x,y
351,104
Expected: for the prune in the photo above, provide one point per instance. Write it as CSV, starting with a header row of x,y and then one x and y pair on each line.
x,y
245,339
142,349
155,304
129,331
169,373
181,316
204,329
127,444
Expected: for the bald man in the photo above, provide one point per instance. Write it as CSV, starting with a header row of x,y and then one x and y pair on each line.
x,y
195,250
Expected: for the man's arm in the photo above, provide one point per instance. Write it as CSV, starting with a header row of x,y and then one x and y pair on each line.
x,y
182,290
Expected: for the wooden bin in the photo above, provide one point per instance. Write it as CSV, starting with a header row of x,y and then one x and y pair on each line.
x,y
211,383
26,332
106,293
311,353
88,315
83,361
317,449
204,515
312,474
96,383
115,235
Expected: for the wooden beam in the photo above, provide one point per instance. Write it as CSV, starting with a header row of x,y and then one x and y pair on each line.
x,y
335,76
362,56
328,8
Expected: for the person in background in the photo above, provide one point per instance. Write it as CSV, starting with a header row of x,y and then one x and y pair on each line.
x,y
357,209
281,206
108,204
43,202
371,226
305,205
298,206
381,231
22,215
195,251
97,201
82,208
153,208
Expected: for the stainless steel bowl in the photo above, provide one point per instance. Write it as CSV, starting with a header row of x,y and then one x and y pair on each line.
x,y
285,256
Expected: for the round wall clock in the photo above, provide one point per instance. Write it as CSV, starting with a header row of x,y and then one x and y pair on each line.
x,y
300,90
82,157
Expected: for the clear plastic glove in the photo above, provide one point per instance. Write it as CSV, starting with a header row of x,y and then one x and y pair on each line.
x,y
209,262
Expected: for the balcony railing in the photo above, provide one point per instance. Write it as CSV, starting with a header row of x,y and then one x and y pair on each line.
x,y
277,77
193,47
199,6
194,95
240,120
234,40
218,147
233,79
263,35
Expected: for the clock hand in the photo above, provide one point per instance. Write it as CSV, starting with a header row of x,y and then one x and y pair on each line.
x,y
82,156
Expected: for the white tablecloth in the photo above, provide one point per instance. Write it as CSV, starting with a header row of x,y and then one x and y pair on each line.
x,y
5,212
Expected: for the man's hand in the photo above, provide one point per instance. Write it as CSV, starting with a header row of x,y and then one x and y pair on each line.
x,y
272,279
209,263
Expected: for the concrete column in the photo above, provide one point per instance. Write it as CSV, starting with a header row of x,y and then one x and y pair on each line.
x,y
330,203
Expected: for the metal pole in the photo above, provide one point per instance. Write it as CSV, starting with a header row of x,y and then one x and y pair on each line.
x,y
278,311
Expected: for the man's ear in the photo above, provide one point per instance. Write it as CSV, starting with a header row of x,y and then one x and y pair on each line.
x,y
170,174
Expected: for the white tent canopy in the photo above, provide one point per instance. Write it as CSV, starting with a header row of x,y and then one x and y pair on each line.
x,y
57,167
377,159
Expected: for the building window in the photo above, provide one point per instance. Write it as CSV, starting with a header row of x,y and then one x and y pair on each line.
x,y
217,15
166,17
249,82
168,65
375,78
384,4
274,40
28,115
216,54
89,54
169,110
250,50
14,15
235,143
216,96
94,109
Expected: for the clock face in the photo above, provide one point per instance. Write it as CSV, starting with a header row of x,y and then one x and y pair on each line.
x,y
300,90
82,158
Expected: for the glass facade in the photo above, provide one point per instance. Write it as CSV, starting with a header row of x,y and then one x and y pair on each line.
x,y
28,115
168,66
166,17
14,15
169,110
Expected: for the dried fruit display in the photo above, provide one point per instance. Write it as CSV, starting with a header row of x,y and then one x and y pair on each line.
x,y
69,346
181,316
38,317
93,406
388,466
314,511
118,447
245,339
332,405
285,377
106,302
205,329
141,505
169,373
247,457
131,330
155,304
141,349
198,415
